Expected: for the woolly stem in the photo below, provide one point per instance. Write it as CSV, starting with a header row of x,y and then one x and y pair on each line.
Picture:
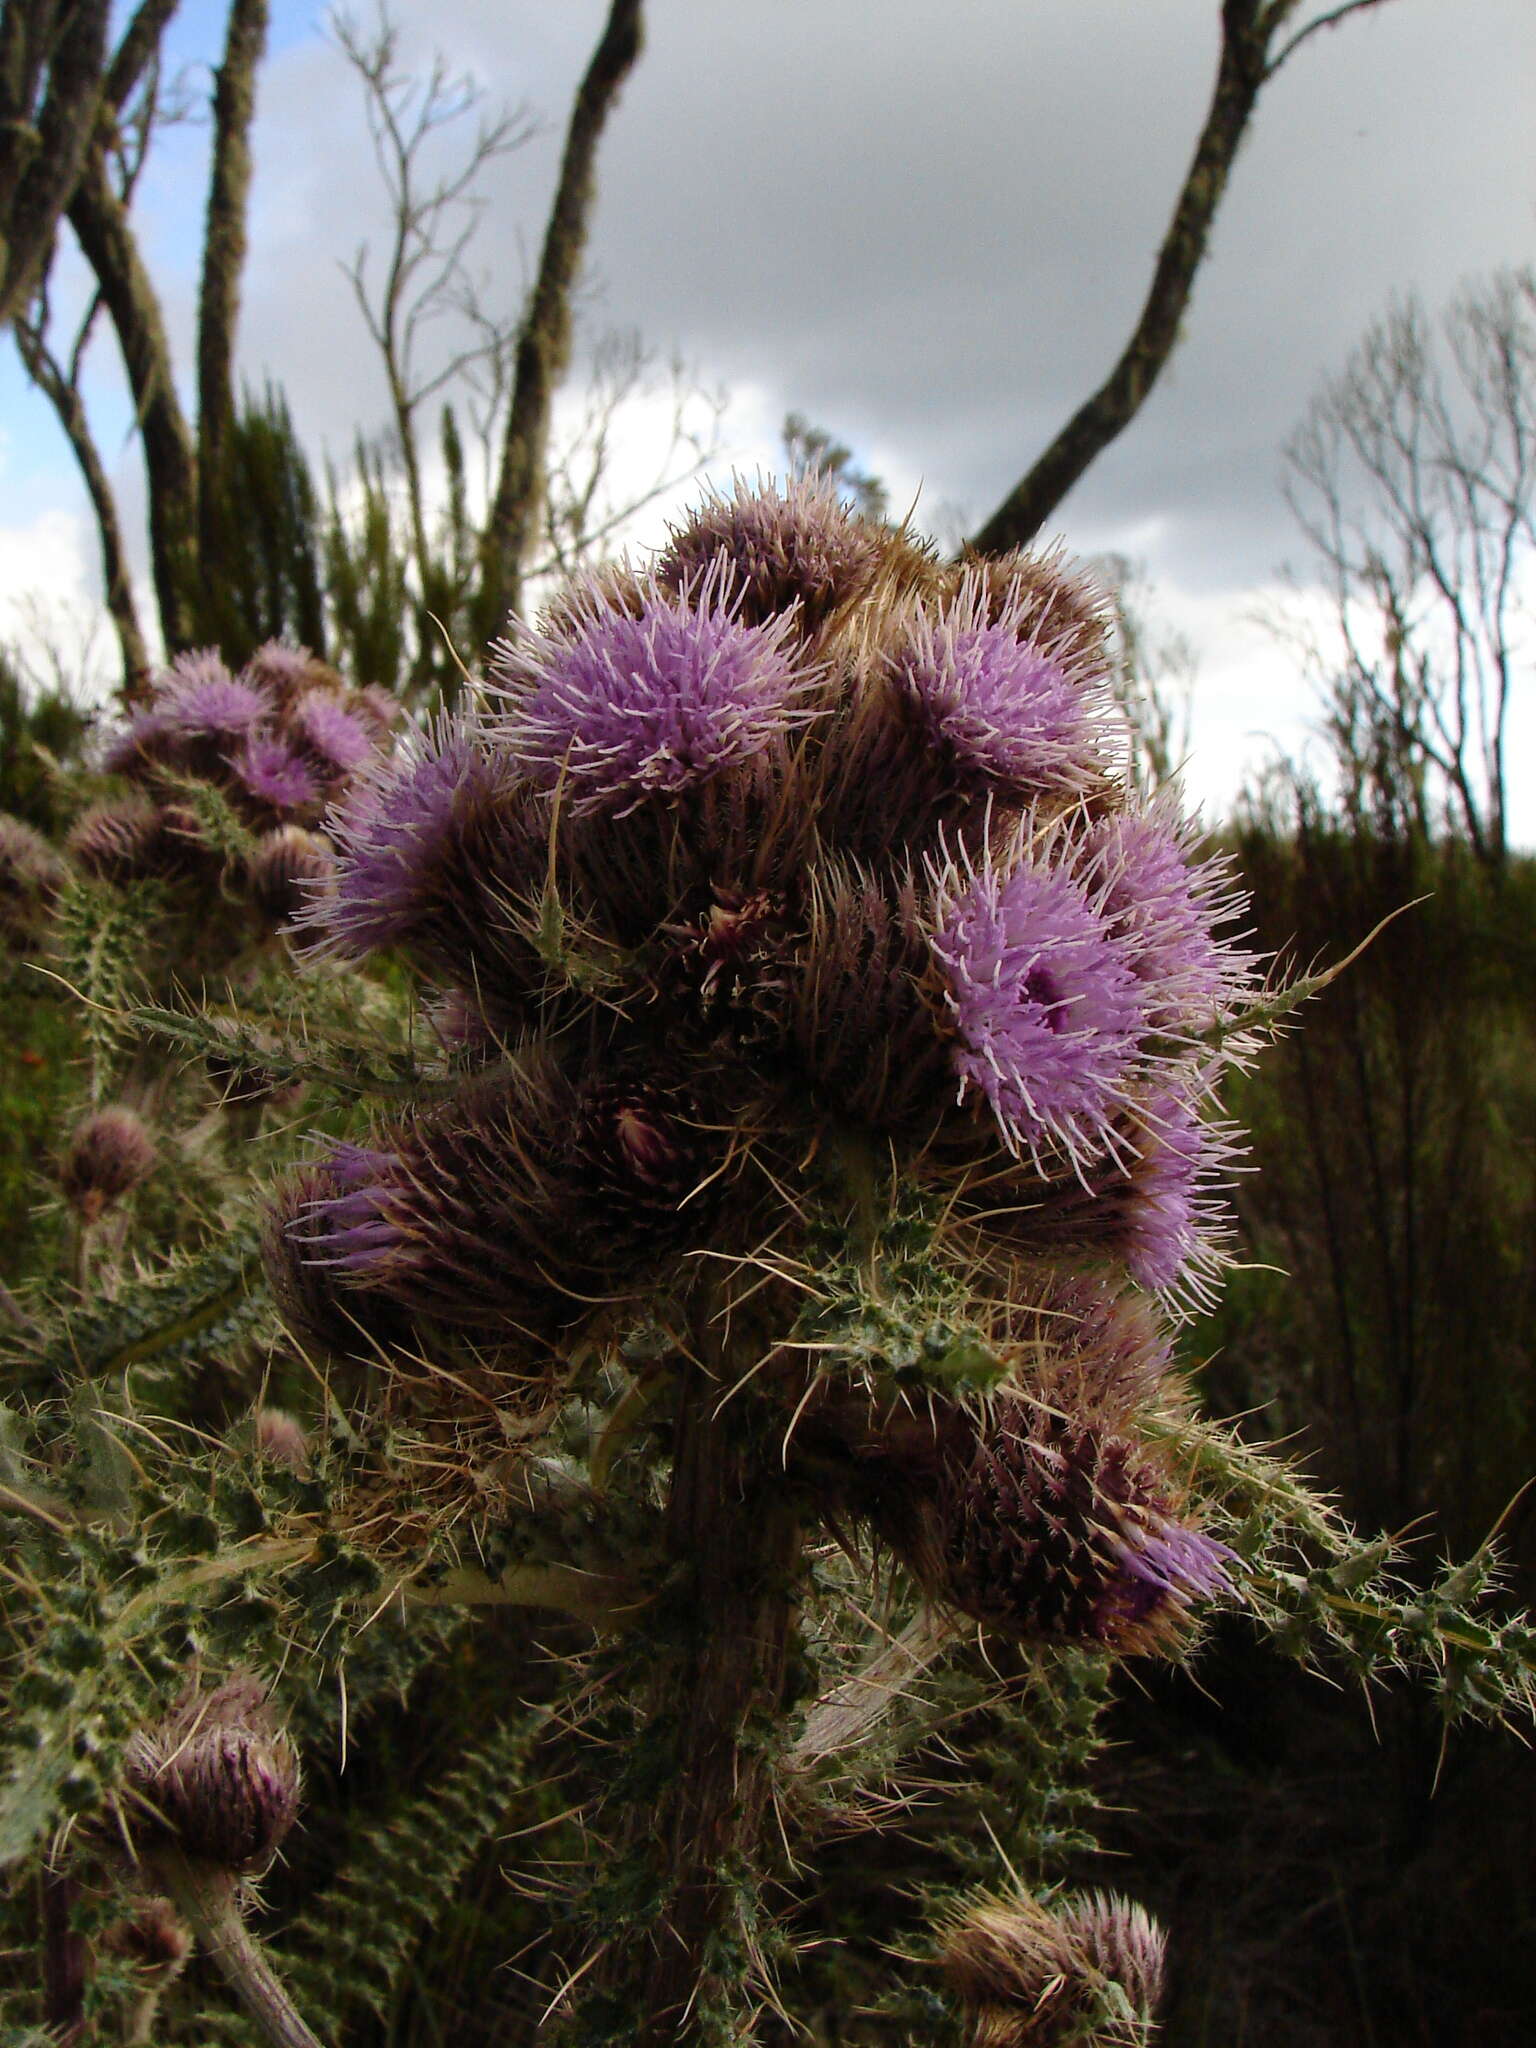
x,y
207,1899
717,1651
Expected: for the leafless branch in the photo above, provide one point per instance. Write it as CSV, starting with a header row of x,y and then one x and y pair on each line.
x,y
1249,29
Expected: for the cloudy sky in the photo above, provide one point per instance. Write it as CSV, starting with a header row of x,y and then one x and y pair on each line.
x,y
929,229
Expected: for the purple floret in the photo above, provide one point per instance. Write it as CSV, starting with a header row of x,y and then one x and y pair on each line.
x,y
622,707
1162,1566
1177,1222
275,776
350,1228
330,731
391,834
1013,715
1165,906
1046,1009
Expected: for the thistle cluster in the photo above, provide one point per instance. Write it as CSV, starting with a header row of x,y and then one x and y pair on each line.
x,y
268,749
793,861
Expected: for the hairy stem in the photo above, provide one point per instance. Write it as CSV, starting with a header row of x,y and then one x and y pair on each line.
x,y
207,1899
718,1655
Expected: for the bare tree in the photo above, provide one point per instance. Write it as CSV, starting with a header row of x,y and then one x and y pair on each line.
x,y
426,279
1413,477
1257,38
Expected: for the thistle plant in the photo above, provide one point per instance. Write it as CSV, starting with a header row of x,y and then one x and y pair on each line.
x,y
765,1252
791,899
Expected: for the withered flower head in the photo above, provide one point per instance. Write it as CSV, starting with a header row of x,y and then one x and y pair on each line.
x,y
792,550
216,1778
1085,1971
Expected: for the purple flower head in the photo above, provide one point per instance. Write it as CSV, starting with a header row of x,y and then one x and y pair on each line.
x,y
201,699
324,726
625,707
1165,906
392,832
1175,1225
275,776
1046,1010
1013,715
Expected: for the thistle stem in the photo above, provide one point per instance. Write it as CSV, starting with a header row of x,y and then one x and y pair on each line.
x,y
717,1644
207,1898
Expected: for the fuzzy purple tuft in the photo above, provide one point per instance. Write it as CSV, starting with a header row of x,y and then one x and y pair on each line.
x,y
349,1228
1046,1009
275,776
1162,1567
1165,905
1176,1221
1013,715
201,699
624,707
391,832
340,741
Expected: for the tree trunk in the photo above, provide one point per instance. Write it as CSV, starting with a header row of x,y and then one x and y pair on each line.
x,y
224,247
100,221
1240,75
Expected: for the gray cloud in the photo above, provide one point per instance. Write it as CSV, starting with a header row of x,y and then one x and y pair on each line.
x,y
931,228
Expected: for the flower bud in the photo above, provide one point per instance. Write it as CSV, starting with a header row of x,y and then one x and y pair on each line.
x,y
279,1438
109,1153
797,549
1053,1527
287,871
217,1778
